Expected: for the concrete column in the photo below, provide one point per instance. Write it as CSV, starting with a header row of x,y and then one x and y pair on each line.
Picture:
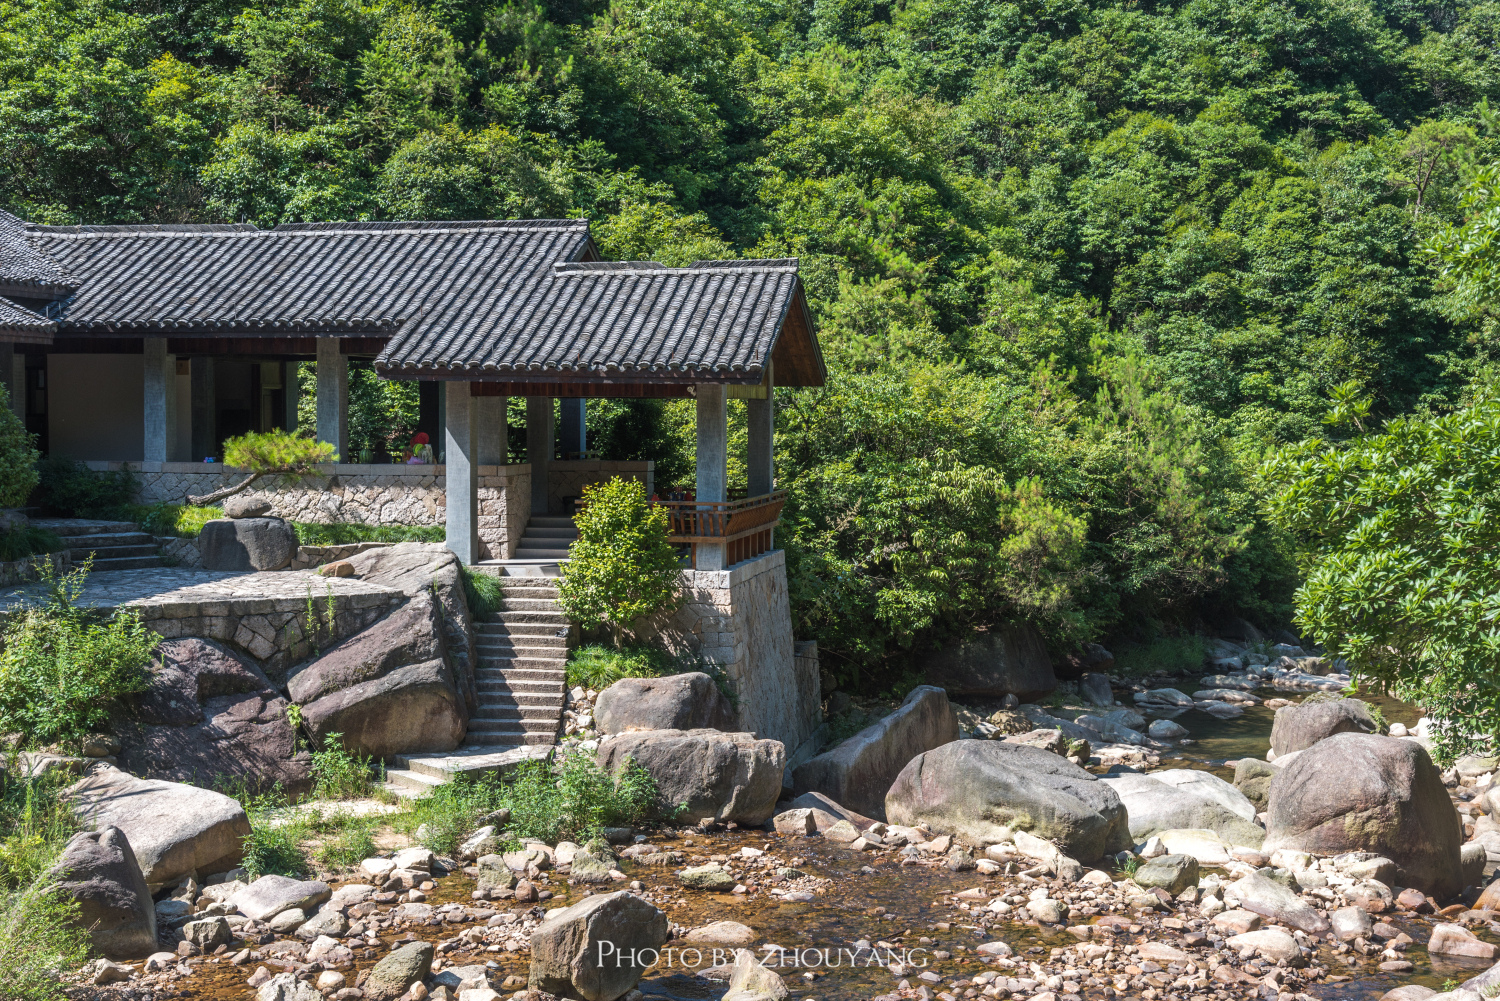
x,y
333,396
7,376
574,431
490,432
713,469
461,475
539,448
17,371
205,412
160,400
760,454
292,394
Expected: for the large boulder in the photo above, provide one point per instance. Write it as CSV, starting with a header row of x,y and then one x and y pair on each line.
x,y
985,790
1301,726
1155,806
1358,792
858,772
727,776
173,828
597,949
210,712
1252,777
680,702
1095,688
247,544
99,872
399,686
394,975
1010,660
1209,786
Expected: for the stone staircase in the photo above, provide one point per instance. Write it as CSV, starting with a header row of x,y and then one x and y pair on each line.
x,y
547,537
115,545
521,678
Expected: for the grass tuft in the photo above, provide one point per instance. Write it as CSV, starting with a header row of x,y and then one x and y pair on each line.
x,y
39,941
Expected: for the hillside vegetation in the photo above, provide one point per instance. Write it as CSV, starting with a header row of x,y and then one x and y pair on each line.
x,y
1078,267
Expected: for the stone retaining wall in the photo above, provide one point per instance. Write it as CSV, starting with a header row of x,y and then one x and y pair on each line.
x,y
25,571
740,620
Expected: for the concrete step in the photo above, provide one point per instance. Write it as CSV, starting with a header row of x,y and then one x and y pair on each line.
x,y
410,783
533,663
523,675
501,630
511,617
525,552
102,540
505,651
479,727
503,695
530,719
415,775
127,563
538,532
70,527
112,552
551,520
509,604
502,643
527,590
509,738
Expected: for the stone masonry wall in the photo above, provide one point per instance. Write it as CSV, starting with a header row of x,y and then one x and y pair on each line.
x,y
369,495
567,479
740,619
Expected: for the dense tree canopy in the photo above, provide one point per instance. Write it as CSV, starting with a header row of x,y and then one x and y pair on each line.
x,y
1077,267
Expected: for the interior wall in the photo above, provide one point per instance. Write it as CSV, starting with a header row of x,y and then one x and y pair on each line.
x,y
96,407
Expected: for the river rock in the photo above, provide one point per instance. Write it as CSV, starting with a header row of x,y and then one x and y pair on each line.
x,y
173,828
1272,943
1155,806
1173,873
286,987
1096,690
1165,729
327,922
99,872
592,950
983,790
678,702
749,980
858,772
1208,786
246,544
1358,792
393,976
269,895
208,933
795,822
826,813
1410,992
1164,697
728,776
712,876
722,933
1297,727
1453,940
1350,923
1204,845
1008,660
1257,892
1252,777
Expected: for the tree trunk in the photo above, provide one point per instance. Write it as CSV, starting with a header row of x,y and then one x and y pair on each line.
x,y
219,495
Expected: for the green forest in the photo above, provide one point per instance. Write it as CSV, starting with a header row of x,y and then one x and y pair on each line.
x,y
1094,278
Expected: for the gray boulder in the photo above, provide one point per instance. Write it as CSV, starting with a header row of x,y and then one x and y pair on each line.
x,y
1090,658
1252,777
597,949
1096,690
1358,792
247,544
984,790
286,987
1262,895
1165,729
1155,806
1209,786
680,702
411,709
208,711
394,975
1173,873
99,872
173,828
246,506
270,895
750,978
1010,660
1301,726
858,772
727,776
411,634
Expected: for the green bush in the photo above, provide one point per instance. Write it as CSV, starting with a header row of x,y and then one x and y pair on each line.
x,y
354,842
74,490
344,533
453,810
1163,655
39,941
34,825
340,774
274,844
182,521
28,540
622,567
482,592
18,457
66,668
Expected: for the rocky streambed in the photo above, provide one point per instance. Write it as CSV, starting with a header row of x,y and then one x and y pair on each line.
x,y
855,911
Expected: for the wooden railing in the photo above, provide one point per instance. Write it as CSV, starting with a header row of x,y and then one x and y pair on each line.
x,y
745,527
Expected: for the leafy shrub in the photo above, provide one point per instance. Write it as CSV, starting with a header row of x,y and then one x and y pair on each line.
x,y
28,540
18,457
34,825
344,533
622,567
65,668
354,842
182,521
481,591
338,773
274,844
73,489
1163,655
452,810
39,940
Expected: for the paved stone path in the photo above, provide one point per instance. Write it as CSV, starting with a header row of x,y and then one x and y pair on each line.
x,y
169,586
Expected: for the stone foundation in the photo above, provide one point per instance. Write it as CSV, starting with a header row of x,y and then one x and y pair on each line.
x,y
740,620
27,570
566,480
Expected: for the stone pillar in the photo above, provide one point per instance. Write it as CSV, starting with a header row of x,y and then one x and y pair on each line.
x,y
574,431
760,457
539,448
333,396
160,400
17,371
461,475
713,469
291,379
205,413
490,432
7,376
